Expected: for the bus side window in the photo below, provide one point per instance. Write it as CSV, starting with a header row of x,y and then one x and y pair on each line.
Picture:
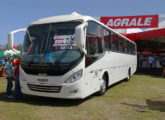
x,y
130,48
93,42
94,38
134,49
121,44
126,47
115,43
124,42
107,39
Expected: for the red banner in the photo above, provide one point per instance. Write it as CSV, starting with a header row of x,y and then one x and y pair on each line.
x,y
144,21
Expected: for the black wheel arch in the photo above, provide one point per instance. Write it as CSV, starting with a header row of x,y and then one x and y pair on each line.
x,y
129,71
106,77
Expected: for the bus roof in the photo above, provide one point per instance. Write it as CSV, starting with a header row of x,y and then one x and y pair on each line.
x,y
63,18
71,17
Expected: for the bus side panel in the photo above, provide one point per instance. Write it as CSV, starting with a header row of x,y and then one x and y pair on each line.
x,y
120,63
117,66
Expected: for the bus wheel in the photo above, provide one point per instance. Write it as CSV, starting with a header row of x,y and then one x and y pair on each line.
x,y
103,86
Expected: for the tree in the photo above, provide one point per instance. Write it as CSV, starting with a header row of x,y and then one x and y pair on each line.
x,y
19,47
1,46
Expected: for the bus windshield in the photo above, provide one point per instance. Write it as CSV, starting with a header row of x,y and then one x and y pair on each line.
x,y
50,44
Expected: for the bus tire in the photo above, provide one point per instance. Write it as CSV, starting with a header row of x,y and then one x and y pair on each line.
x,y
103,86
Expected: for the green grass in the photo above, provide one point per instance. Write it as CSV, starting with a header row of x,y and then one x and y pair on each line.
x,y
141,98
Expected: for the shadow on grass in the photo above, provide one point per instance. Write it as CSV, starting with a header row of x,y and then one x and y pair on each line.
x,y
152,105
45,101
156,105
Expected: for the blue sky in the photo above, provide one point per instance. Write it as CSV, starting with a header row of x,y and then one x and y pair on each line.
x,y
15,14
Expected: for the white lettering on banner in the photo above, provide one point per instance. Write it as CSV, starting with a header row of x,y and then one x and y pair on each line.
x,y
117,22
133,22
139,22
147,21
128,22
125,22
110,22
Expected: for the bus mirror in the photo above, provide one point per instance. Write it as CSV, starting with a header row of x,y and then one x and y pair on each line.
x,y
80,37
11,37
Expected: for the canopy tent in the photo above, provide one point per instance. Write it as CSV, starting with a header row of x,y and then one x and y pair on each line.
x,y
151,34
18,52
1,54
16,55
11,52
152,39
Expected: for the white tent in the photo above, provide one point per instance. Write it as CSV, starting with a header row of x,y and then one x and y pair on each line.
x,y
18,52
129,30
11,51
134,30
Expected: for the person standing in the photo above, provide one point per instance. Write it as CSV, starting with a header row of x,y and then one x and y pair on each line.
x,y
17,90
151,60
162,63
8,75
163,74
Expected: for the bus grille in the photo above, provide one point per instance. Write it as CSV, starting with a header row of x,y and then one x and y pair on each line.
x,y
40,88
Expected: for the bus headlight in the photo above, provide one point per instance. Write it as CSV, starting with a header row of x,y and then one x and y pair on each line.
x,y
76,76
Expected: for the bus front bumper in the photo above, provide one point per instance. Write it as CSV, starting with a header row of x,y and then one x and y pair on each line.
x,y
67,91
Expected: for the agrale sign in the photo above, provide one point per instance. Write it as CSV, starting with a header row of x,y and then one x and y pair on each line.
x,y
144,21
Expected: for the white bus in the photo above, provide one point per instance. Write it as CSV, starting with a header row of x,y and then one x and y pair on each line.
x,y
73,56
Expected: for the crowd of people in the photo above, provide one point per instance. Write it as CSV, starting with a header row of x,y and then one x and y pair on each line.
x,y
11,70
151,60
